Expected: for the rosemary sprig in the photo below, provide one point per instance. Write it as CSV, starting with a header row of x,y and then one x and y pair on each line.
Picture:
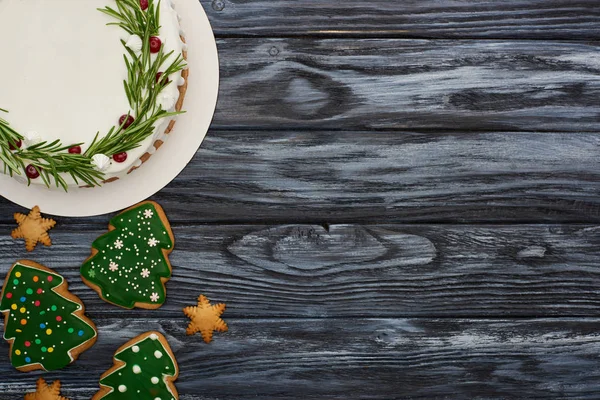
x,y
52,160
49,159
133,19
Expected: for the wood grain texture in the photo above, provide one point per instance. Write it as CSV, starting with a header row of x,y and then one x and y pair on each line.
x,y
356,358
358,271
408,84
340,208
482,19
385,177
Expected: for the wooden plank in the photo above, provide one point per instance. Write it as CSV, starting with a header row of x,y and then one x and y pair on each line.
x,y
412,84
350,177
358,271
369,358
482,19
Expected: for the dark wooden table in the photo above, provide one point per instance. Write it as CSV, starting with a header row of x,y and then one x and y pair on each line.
x,y
397,199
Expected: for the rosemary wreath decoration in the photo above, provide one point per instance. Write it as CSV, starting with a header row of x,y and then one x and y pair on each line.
x,y
143,85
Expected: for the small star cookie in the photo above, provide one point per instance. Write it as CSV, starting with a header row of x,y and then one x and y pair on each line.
x,y
206,318
46,392
33,228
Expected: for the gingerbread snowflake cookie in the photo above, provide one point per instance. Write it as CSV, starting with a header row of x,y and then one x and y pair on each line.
x,y
144,368
44,323
205,318
33,228
129,265
45,391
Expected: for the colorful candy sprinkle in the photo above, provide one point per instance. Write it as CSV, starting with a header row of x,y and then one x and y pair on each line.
x,y
44,330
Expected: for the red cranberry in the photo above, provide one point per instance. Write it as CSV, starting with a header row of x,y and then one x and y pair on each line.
x,y
144,4
75,150
127,120
165,81
18,144
32,172
120,157
155,44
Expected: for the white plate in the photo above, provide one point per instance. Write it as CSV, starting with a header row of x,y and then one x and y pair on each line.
x,y
168,161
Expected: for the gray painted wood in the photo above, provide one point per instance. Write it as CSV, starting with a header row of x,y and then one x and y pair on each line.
x,y
384,177
348,117
355,358
305,271
482,19
408,84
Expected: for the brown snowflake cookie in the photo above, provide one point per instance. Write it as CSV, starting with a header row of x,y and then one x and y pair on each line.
x,y
45,391
206,318
33,228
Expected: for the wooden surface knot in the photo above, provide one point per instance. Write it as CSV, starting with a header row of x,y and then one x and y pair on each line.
x,y
310,249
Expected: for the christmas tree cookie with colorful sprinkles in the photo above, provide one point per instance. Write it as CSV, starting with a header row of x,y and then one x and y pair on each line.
x,y
144,368
129,265
44,323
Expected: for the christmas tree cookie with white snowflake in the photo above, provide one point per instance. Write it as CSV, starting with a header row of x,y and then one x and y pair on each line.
x,y
129,265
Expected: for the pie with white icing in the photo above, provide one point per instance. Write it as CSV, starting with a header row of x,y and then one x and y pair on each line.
x,y
90,88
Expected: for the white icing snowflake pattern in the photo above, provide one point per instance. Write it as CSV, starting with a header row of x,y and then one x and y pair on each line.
x,y
130,260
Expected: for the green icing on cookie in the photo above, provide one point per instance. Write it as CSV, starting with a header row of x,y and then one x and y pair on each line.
x,y
130,261
41,321
147,365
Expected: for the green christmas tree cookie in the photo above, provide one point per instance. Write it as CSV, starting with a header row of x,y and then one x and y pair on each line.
x,y
144,368
129,265
44,323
